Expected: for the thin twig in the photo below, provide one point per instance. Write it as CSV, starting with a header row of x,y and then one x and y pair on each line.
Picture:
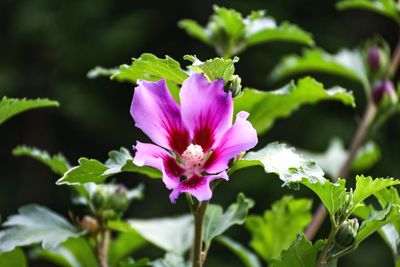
x,y
102,247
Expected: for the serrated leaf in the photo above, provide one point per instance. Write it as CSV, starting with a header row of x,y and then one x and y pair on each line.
x,y
247,257
366,186
278,228
332,195
35,224
151,68
15,258
376,220
230,33
75,252
57,163
171,260
266,107
388,8
10,107
91,170
284,161
216,221
346,63
213,68
332,160
300,254
172,234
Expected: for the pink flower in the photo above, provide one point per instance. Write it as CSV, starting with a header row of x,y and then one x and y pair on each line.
x,y
194,141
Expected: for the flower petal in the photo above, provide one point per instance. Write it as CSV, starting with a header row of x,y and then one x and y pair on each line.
x,y
239,138
158,115
206,110
157,157
197,186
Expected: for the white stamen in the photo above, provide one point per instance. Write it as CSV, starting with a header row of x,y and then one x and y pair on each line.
x,y
193,156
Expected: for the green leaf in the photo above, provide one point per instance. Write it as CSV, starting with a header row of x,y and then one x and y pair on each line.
x,y
216,221
388,8
367,156
171,260
266,107
170,234
15,258
101,72
75,252
57,163
300,254
247,257
124,245
346,63
213,68
279,227
151,68
332,195
91,170
332,160
376,220
266,30
366,186
284,161
10,107
230,33
35,224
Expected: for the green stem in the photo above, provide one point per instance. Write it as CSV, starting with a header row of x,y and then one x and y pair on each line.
x,y
325,253
198,254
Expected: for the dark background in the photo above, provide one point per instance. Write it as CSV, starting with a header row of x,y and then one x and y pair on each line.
x,y
47,47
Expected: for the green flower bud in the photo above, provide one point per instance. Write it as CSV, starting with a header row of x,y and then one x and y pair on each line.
x,y
235,85
98,199
347,233
119,200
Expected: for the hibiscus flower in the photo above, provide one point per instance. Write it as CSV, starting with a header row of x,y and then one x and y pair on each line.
x,y
194,141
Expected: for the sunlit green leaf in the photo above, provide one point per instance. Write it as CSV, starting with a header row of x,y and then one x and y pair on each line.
x,y
57,163
388,8
216,221
300,254
366,186
285,162
230,33
15,258
367,156
332,195
170,234
213,68
10,107
266,107
247,257
35,224
91,170
346,63
277,229
151,68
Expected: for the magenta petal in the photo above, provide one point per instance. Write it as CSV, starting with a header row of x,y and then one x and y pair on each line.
x,y
239,138
158,115
157,157
197,186
206,110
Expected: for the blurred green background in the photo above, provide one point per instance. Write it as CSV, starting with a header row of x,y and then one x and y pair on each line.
x,y
47,47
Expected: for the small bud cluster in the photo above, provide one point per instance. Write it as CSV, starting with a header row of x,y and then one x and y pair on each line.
x,y
347,233
110,201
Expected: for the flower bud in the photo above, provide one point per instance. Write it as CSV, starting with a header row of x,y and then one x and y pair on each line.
x,y
98,199
119,200
347,233
235,85
384,90
377,60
